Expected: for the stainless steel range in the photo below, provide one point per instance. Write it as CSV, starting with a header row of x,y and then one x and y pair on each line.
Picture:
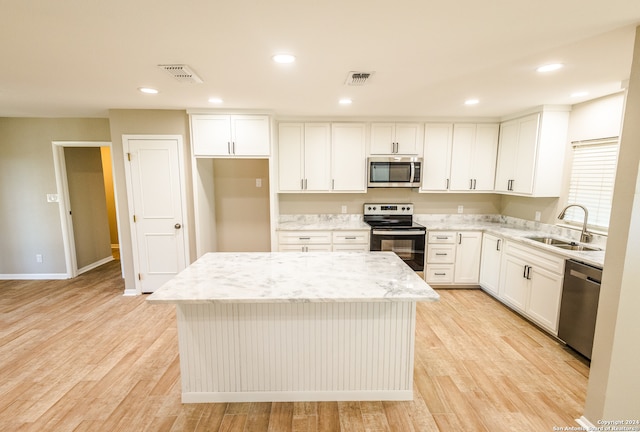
x,y
393,229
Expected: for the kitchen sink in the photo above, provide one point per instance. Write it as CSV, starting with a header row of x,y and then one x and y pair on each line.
x,y
564,244
578,247
550,241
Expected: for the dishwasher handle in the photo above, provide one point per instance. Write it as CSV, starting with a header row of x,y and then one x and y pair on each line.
x,y
583,276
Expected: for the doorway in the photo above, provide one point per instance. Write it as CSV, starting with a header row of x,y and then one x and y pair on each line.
x,y
86,195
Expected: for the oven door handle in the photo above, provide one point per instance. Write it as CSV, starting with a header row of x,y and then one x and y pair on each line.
x,y
398,232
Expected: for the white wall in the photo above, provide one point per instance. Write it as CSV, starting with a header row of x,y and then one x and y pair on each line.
x,y
614,378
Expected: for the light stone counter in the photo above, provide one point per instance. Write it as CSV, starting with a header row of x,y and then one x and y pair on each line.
x,y
333,326
503,226
285,277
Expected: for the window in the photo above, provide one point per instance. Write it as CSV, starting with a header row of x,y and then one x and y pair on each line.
x,y
593,174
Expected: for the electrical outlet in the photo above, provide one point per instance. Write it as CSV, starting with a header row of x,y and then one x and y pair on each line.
x,y
344,209
258,182
38,258
52,198
538,216
460,209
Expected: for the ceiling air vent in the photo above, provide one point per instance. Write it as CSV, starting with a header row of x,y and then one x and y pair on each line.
x,y
182,73
358,78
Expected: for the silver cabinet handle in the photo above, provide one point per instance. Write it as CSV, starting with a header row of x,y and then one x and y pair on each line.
x,y
304,238
459,238
498,244
301,184
470,183
229,147
447,184
441,254
440,274
442,237
524,273
349,238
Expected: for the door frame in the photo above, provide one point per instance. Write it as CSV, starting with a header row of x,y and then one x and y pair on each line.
x,y
130,205
64,203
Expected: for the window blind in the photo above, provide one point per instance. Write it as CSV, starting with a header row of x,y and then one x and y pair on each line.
x,y
593,174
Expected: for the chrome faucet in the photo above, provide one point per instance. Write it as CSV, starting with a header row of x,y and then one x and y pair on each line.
x,y
585,236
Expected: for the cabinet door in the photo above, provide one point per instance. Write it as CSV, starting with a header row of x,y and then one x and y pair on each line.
x,y
436,165
317,157
211,135
544,298
514,287
348,157
468,257
290,157
485,150
408,138
526,154
382,138
507,151
462,157
250,135
490,263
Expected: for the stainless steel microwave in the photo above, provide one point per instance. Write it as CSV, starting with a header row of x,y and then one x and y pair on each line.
x,y
394,171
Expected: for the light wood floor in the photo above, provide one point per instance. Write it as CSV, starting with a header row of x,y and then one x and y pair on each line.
x,y
78,356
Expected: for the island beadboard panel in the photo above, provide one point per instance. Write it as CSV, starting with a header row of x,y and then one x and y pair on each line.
x,y
296,351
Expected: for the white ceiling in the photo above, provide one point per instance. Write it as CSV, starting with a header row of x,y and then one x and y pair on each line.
x,y
82,57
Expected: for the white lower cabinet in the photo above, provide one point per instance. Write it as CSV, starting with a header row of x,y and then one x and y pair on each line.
x,y
453,258
356,241
531,283
490,264
323,241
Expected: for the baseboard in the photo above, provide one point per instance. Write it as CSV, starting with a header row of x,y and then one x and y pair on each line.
x,y
34,276
131,293
95,264
586,424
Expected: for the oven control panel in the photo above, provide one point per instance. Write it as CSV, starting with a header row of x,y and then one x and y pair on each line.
x,y
388,209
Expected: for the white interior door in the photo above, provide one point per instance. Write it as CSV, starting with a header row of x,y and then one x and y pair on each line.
x,y
156,203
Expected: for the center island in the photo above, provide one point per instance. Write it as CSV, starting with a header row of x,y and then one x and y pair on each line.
x,y
283,326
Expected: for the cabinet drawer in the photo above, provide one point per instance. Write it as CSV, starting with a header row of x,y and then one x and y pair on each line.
x,y
304,237
445,253
304,248
442,237
439,274
349,237
536,257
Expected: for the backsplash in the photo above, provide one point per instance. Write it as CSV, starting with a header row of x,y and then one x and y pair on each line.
x,y
440,219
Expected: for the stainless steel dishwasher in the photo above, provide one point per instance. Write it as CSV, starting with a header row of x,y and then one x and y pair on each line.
x,y
579,306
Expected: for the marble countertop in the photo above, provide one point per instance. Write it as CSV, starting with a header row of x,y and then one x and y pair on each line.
x,y
281,277
517,230
595,258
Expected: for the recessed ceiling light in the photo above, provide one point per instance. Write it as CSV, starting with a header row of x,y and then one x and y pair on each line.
x,y
471,102
283,58
550,67
579,94
148,90
215,100
345,101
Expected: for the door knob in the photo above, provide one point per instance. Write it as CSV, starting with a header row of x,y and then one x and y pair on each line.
x,y
177,226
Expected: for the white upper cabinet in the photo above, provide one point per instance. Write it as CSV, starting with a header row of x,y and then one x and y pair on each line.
x,y
230,135
531,154
396,139
473,159
304,155
321,157
436,166
348,157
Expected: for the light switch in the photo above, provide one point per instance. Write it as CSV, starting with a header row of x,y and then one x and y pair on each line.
x,y
52,198
258,182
